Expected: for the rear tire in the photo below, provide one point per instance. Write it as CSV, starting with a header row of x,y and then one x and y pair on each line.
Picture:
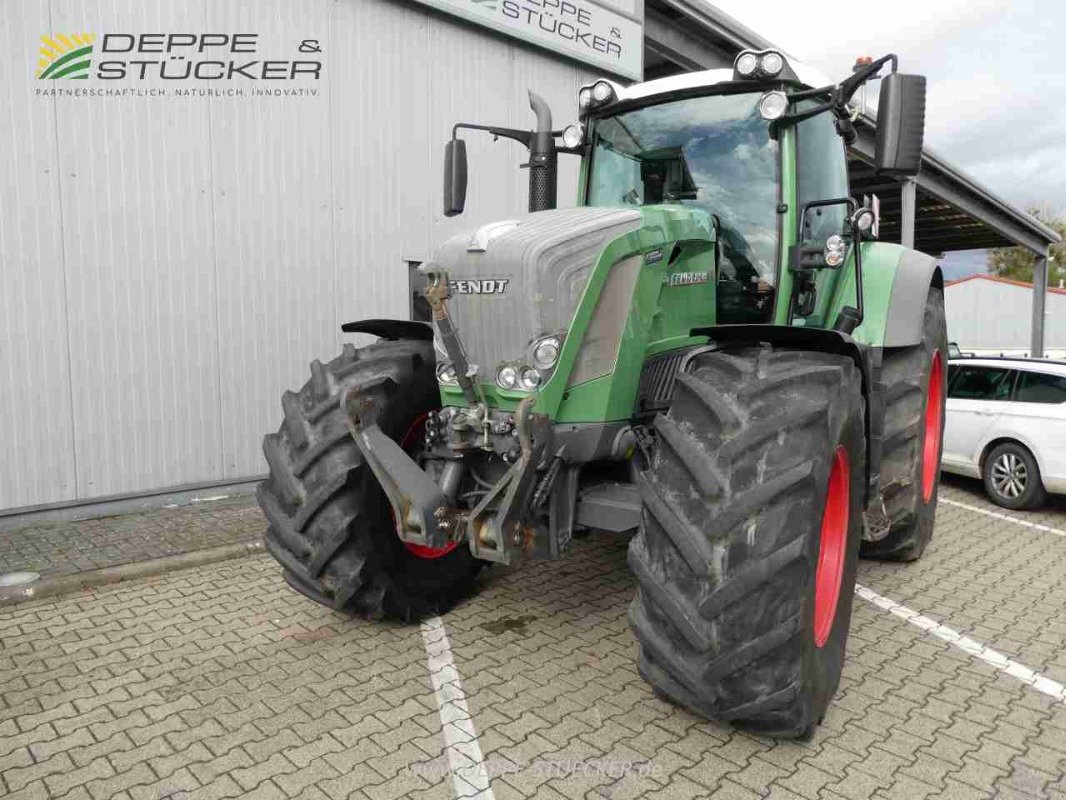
x,y
330,523
1012,477
735,619
910,476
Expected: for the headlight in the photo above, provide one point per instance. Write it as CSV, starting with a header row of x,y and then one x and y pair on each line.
x,y
529,378
584,99
545,352
754,64
771,63
507,377
773,105
446,374
863,219
573,135
746,64
835,248
602,92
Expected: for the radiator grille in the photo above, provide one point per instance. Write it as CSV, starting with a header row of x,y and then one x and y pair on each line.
x,y
656,386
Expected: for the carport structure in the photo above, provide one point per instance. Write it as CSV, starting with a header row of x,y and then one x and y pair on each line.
x,y
939,211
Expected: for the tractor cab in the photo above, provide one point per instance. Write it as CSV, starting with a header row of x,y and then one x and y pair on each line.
x,y
754,148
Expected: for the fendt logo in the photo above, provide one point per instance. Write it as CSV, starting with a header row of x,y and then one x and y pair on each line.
x,y
480,286
65,55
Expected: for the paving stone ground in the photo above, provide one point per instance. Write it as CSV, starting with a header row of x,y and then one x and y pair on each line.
x,y
222,682
64,548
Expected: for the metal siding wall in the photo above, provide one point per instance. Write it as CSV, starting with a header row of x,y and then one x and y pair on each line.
x,y
986,315
202,251
135,192
38,456
272,232
1055,323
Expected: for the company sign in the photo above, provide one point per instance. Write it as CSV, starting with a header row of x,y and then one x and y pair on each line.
x,y
609,34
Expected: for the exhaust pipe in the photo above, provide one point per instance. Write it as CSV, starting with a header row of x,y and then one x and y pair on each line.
x,y
543,158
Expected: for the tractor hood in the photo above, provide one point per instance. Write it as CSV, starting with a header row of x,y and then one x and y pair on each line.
x,y
515,280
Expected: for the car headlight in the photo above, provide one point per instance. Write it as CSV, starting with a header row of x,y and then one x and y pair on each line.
x,y
545,352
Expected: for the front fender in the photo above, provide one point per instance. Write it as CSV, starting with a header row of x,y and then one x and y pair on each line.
x,y
896,282
391,329
867,359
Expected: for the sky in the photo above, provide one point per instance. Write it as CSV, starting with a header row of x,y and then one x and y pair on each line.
x,y
996,104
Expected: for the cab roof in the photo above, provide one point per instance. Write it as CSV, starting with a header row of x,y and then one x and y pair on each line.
x,y
808,77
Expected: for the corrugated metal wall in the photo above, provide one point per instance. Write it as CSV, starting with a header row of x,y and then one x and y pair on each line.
x,y
169,266
985,315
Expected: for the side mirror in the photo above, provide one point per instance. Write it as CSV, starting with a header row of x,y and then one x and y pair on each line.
x,y
454,177
900,124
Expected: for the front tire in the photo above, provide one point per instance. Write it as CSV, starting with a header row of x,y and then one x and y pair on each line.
x,y
745,560
1012,477
331,525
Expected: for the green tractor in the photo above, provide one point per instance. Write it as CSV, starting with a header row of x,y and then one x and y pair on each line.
x,y
711,350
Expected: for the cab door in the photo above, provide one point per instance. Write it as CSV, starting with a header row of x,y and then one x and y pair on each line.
x,y
977,397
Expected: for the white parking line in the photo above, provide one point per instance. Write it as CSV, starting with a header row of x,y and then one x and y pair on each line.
x,y
1015,520
469,775
1023,673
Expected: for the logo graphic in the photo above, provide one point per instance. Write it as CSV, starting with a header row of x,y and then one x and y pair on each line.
x,y
480,286
689,278
65,55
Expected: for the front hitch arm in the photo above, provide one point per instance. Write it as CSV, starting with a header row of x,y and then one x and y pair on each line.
x,y
437,292
418,504
501,525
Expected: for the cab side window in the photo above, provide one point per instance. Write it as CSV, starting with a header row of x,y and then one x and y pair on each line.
x,y
1038,387
822,173
981,383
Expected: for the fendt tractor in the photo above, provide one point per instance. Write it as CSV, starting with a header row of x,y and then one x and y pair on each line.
x,y
711,350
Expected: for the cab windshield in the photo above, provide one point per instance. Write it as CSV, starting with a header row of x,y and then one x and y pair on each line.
x,y
712,152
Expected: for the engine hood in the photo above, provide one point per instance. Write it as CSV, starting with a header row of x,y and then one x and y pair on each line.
x,y
517,279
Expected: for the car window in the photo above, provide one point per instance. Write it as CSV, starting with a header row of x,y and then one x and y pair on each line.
x,y
981,383
953,370
1038,387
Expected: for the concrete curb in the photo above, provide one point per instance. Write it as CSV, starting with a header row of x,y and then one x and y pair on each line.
x,y
53,586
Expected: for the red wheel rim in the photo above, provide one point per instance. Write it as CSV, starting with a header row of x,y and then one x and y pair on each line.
x,y
934,421
408,442
832,547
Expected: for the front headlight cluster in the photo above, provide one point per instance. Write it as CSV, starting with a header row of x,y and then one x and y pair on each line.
x,y
540,362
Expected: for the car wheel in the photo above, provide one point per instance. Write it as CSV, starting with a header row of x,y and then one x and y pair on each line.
x,y
1012,478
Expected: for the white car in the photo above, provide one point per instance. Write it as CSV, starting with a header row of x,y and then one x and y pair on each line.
x,y
1006,424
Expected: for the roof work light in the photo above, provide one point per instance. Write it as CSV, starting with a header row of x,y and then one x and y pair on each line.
x,y
756,64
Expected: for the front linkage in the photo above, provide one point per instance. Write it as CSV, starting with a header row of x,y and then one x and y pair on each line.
x,y
504,521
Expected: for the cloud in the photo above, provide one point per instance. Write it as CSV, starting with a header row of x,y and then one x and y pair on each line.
x,y
831,33
996,106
